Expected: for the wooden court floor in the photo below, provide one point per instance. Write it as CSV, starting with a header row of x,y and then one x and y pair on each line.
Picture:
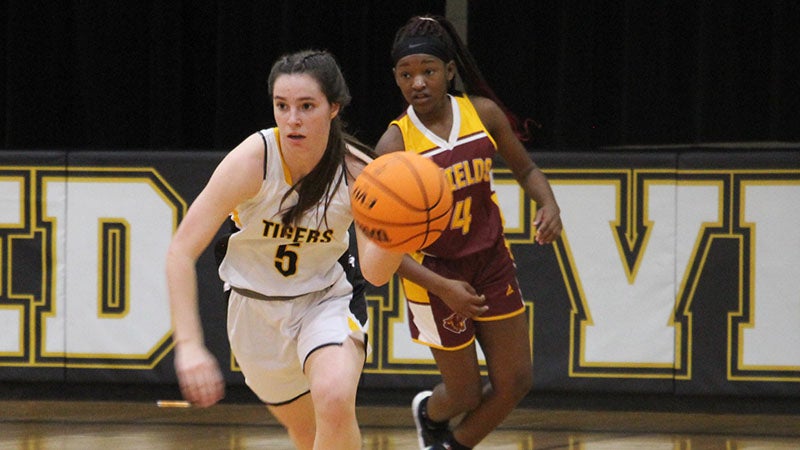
x,y
120,425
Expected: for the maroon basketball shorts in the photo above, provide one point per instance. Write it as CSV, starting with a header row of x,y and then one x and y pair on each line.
x,y
491,272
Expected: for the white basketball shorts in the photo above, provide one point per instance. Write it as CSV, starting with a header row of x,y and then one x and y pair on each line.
x,y
271,339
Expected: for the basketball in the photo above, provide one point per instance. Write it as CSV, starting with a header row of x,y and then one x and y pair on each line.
x,y
402,201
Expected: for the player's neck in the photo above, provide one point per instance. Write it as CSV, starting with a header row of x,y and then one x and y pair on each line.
x,y
438,120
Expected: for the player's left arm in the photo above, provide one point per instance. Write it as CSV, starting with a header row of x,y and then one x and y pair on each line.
x,y
548,214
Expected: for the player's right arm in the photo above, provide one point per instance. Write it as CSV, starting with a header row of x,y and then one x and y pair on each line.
x,y
458,295
237,178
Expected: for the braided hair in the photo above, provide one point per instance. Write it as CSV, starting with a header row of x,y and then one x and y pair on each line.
x,y
439,29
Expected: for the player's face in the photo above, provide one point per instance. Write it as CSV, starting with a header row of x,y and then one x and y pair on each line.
x,y
423,79
302,113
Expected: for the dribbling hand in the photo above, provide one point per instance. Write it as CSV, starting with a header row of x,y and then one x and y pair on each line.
x,y
199,376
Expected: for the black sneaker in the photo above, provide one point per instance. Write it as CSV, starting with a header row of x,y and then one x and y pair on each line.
x,y
428,433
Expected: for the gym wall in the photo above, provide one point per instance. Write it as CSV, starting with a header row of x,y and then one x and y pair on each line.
x,y
676,273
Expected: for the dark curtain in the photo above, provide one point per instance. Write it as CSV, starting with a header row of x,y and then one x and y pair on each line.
x,y
660,72
181,74
192,75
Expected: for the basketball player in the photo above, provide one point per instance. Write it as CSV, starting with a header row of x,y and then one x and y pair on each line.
x,y
297,316
464,286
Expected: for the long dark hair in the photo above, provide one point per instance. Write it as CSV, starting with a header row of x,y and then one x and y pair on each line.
x,y
438,27
322,181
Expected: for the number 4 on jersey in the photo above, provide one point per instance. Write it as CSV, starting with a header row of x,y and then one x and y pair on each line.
x,y
462,216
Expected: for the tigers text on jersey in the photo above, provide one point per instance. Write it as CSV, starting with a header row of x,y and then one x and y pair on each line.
x,y
275,260
466,157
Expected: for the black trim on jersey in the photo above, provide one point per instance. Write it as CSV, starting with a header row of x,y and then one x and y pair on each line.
x,y
358,303
271,298
338,344
264,138
288,401
221,245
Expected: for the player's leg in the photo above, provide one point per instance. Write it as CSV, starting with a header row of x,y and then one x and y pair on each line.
x,y
298,419
267,356
460,389
451,339
505,344
333,372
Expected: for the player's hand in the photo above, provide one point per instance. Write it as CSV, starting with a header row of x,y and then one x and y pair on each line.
x,y
462,298
548,224
198,373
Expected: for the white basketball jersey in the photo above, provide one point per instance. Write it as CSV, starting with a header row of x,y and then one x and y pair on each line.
x,y
276,260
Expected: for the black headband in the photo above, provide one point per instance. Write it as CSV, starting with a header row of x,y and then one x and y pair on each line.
x,y
421,44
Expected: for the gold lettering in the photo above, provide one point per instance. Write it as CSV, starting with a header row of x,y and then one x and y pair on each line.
x,y
477,170
448,173
470,174
458,175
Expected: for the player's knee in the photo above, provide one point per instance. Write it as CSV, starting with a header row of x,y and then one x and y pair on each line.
x,y
332,402
472,402
522,383
515,384
467,399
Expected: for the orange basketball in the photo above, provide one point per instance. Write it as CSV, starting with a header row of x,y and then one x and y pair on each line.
x,y
402,201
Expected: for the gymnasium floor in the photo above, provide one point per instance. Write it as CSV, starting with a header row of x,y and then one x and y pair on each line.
x,y
120,425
